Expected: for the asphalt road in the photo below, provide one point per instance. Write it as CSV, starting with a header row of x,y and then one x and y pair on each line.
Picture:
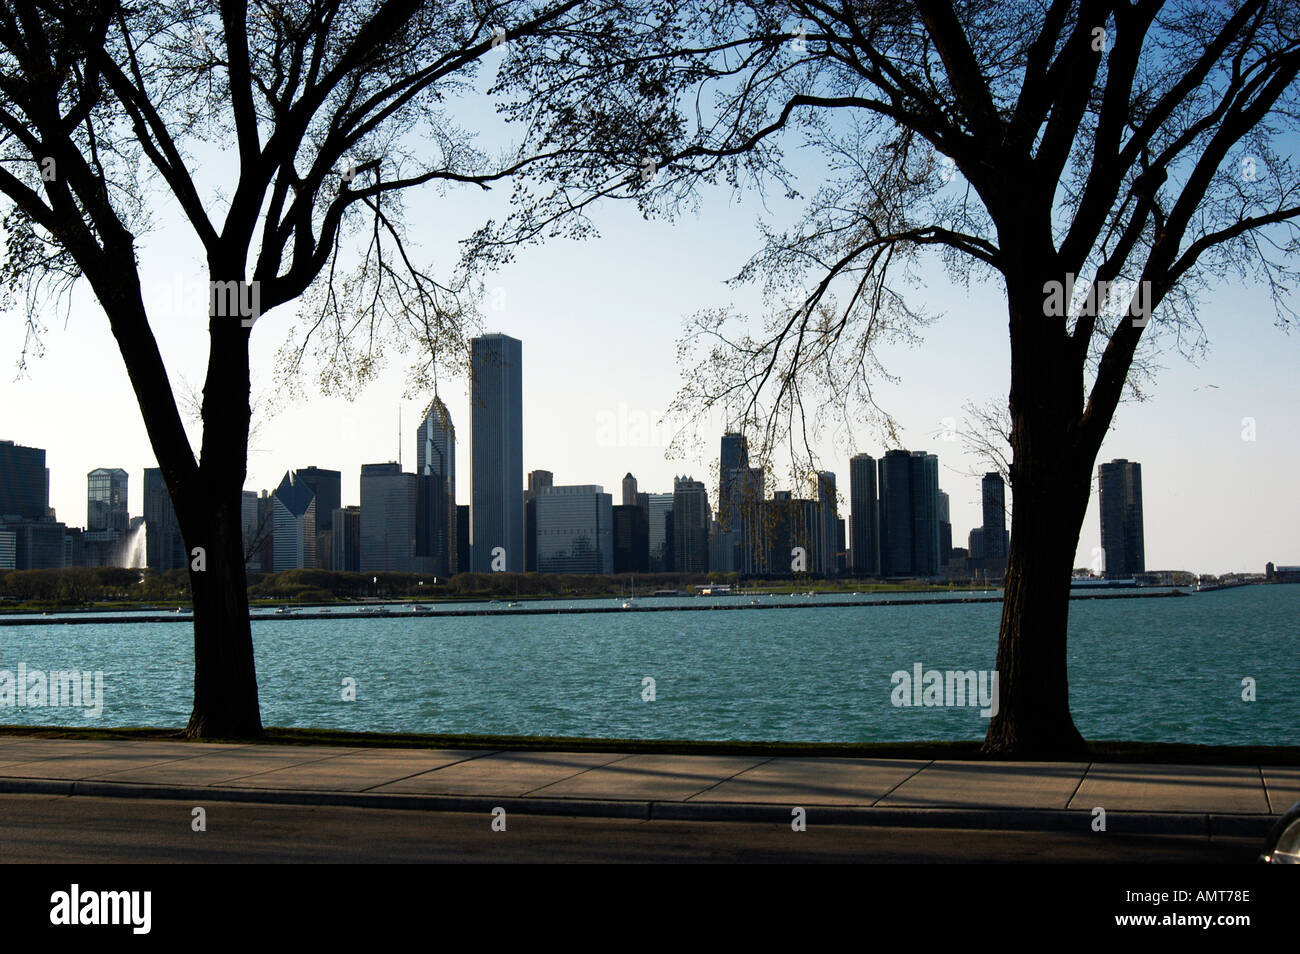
x,y
76,830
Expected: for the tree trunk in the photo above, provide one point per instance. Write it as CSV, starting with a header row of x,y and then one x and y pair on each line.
x,y
1050,482
225,677
1033,719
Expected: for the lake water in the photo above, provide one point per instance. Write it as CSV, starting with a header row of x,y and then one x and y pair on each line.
x,y
1166,670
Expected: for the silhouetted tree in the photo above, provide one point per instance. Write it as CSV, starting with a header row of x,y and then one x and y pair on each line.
x,y
1130,145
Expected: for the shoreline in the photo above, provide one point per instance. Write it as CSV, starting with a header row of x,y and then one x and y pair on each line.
x,y
408,613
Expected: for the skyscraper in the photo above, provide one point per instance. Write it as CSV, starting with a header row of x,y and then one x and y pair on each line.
x,y
925,514
945,529
106,498
827,538
909,514
1119,489
346,539
993,491
294,522
575,530
389,506
864,528
629,491
164,549
631,539
663,557
24,482
327,485
537,480
496,453
733,456
896,552
690,525
435,466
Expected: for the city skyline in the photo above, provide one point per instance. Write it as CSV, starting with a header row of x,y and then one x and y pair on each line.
x,y
345,435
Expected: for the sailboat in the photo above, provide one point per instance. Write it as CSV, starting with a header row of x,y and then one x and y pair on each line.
x,y
627,603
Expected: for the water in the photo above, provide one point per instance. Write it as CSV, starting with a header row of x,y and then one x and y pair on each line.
x,y
1167,670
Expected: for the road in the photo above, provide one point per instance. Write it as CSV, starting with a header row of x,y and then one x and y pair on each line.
x,y
62,829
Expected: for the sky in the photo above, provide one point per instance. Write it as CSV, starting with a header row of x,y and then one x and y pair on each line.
x,y
599,321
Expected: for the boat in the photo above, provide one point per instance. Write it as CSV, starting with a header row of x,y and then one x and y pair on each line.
x,y
508,605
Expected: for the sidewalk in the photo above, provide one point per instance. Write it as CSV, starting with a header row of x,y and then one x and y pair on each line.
x,y
1149,799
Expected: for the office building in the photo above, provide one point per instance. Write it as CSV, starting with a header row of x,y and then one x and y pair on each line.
x,y
909,514
631,539
827,536
1119,491
691,519
24,482
435,465
663,556
496,454
345,539
945,529
389,511
575,530
462,538
293,523
864,525
537,479
164,545
629,490
327,485
925,514
106,497
895,483
993,494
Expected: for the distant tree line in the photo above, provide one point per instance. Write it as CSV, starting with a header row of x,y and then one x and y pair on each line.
x,y
78,585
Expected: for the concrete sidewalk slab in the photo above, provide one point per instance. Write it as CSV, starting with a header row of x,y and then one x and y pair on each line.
x,y
823,781
501,773
1282,787
40,750
224,766
1151,799
1172,788
652,777
357,771
1015,785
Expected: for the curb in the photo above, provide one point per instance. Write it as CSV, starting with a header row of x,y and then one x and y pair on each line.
x,y
1205,825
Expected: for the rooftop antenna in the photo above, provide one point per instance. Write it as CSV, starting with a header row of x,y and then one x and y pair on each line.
x,y
399,434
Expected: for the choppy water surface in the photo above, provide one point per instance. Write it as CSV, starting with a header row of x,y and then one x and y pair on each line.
x,y
1144,669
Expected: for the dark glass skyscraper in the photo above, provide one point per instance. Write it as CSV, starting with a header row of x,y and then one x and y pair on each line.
x,y
994,496
925,514
895,470
496,453
164,549
106,498
827,531
864,527
909,514
733,456
24,482
435,467
1119,490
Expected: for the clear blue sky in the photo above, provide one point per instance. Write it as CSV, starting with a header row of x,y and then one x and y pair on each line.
x,y
599,323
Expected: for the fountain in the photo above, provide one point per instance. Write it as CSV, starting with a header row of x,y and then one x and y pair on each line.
x,y
132,552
